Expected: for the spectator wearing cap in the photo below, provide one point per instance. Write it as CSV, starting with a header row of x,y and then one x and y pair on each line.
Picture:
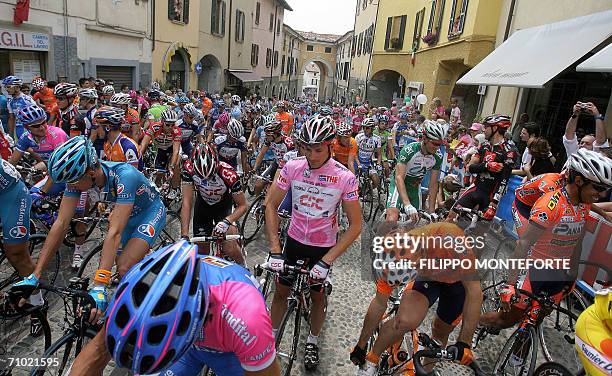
x,y
475,129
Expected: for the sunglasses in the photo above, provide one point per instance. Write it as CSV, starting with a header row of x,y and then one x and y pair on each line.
x,y
599,187
36,125
62,98
436,143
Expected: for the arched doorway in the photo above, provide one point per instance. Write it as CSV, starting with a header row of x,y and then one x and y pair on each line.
x,y
178,70
317,80
385,86
211,76
468,101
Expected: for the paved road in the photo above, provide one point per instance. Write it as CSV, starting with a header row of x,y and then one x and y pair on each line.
x,y
347,306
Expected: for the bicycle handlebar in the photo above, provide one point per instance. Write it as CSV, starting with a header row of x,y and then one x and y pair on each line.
x,y
207,239
286,268
438,354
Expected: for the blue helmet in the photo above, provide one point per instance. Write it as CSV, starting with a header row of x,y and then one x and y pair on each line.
x,y
158,308
236,113
325,111
383,118
12,80
403,116
70,161
220,103
31,114
182,99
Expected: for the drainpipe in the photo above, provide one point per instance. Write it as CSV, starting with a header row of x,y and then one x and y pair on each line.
x,y
229,41
290,58
273,45
365,93
65,11
348,85
506,35
152,27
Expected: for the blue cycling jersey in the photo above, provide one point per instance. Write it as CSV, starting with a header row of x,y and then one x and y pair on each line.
x,y
261,136
8,176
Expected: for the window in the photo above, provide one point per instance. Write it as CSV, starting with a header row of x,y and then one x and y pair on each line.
x,y
278,28
283,66
271,22
254,55
346,71
435,22
310,47
313,81
358,3
328,50
257,13
217,23
275,59
418,28
396,27
240,26
178,10
268,57
457,18
359,44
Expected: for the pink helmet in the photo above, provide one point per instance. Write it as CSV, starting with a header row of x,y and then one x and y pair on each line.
x,y
224,118
361,110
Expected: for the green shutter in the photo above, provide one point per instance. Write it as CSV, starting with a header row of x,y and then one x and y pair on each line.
x,y
222,17
213,17
186,11
171,15
389,24
402,32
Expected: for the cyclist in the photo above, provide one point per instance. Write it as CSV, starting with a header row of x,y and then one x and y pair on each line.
x,y
16,101
594,335
368,146
356,120
131,124
554,231
181,100
44,97
190,128
493,163
258,138
386,138
218,191
231,144
214,113
67,110
107,93
219,127
118,147
412,165
279,144
156,108
285,118
197,330
318,186
344,147
88,100
401,133
457,292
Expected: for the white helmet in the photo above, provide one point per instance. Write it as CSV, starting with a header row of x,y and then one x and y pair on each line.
x,y
594,166
344,129
235,98
169,116
434,130
317,129
190,110
120,99
235,129
108,89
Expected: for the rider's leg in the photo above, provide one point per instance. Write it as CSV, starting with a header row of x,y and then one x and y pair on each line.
x,y
93,357
279,304
231,248
134,251
375,312
502,320
375,179
317,315
18,256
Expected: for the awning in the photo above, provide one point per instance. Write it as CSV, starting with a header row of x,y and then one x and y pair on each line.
x,y
600,62
532,57
246,76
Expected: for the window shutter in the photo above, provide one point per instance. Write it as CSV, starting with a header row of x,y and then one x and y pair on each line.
x,y
257,13
186,11
243,27
388,36
222,28
440,16
430,25
213,17
171,10
452,18
237,26
402,32
463,14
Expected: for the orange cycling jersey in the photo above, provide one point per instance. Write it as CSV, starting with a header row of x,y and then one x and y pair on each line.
x,y
529,192
123,149
131,116
47,98
206,105
286,121
562,222
341,153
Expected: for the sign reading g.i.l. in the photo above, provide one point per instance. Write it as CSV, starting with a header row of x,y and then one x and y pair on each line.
x,y
23,40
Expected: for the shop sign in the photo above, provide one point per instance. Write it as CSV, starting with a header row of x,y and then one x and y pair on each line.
x,y
23,40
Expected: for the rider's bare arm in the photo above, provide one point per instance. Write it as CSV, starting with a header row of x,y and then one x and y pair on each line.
x,y
471,310
273,200
400,172
144,144
116,223
186,208
240,203
353,213
433,187
260,157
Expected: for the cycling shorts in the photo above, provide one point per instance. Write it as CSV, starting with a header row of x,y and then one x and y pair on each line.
x,y
294,251
57,189
450,298
146,225
475,196
187,147
520,222
285,205
373,169
192,362
550,283
394,199
163,158
206,216
15,214
270,172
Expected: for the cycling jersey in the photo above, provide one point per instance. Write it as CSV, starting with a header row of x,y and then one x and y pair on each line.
x,y
132,116
8,176
367,147
286,120
54,138
341,153
238,336
529,192
155,111
126,185
418,163
15,104
316,195
402,135
163,139
47,98
123,149
594,337
228,150
188,130
562,222
214,114
502,153
15,208
261,136
356,123
67,120
280,148
385,137
220,187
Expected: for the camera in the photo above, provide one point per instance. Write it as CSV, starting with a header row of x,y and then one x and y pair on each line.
x,y
584,107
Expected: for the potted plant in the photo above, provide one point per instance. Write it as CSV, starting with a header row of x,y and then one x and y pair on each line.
x,y
430,38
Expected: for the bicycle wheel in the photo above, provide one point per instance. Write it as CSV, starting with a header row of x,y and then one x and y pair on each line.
x,y
8,275
367,198
519,355
504,249
253,220
19,349
91,261
556,332
286,348
62,353
552,368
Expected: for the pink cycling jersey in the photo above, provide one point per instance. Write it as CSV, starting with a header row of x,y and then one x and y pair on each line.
x,y
316,195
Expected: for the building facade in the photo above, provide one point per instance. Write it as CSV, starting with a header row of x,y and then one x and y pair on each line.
x,y
319,49
343,67
361,49
290,80
64,41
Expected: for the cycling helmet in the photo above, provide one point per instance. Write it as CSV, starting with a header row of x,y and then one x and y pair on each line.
x,y
190,110
257,108
31,114
403,116
108,90
502,121
169,116
383,109
38,83
154,95
180,99
12,81
110,116
344,129
235,129
120,99
592,165
337,111
88,93
99,82
325,111
368,122
65,89
158,309
155,86
235,99
272,125
434,130
220,103
224,118
361,110
236,113
383,118
317,129
205,160
70,161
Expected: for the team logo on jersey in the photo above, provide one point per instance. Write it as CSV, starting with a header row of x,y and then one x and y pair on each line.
x,y
554,200
18,232
543,217
306,173
352,195
120,189
130,155
328,179
140,190
147,230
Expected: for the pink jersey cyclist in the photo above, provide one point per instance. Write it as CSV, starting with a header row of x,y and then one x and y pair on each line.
x,y
55,137
316,195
